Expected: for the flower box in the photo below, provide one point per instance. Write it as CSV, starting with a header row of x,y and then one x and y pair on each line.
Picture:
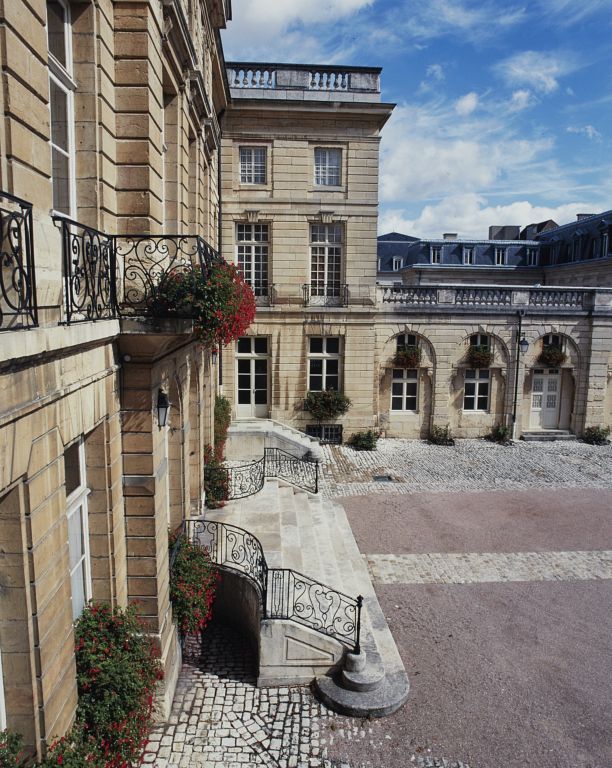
x,y
479,356
551,356
407,358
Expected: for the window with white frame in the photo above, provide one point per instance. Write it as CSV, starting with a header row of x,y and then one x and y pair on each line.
x,y
327,167
480,340
323,363
252,242
253,165
325,259
78,528
61,106
552,340
397,263
2,704
604,245
468,254
500,257
404,389
532,257
435,254
476,389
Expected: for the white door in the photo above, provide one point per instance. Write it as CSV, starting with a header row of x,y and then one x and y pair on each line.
x,y
252,377
545,399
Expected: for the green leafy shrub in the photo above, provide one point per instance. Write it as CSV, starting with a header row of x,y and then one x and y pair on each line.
x,y
408,358
117,670
223,418
551,356
500,434
216,480
479,356
364,441
596,435
11,746
441,436
193,581
328,404
218,299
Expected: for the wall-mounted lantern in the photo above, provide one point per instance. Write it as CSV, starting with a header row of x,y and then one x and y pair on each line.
x,y
163,408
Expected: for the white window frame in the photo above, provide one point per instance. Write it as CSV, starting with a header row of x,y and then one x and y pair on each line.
x,y
604,245
253,254
532,257
397,263
501,255
63,77
480,340
326,258
2,701
327,167
405,379
435,254
325,356
251,165
404,340
468,255
76,504
552,340
480,378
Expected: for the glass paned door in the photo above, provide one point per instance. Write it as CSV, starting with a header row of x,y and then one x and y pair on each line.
x,y
545,396
252,377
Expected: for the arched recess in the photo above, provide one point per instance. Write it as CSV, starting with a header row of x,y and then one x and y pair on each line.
x,y
552,389
176,464
405,389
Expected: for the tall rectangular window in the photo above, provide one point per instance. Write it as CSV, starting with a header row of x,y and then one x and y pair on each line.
x,y
61,106
325,261
532,257
328,163
253,162
323,363
78,528
500,257
476,390
404,389
252,251
435,254
397,263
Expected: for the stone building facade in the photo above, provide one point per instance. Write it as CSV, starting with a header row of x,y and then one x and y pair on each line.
x,y
300,192
109,149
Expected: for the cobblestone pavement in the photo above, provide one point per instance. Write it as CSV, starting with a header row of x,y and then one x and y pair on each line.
x,y
414,465
220,719
478,567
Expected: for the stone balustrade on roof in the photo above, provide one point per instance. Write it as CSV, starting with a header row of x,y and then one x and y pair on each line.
x,y
303,82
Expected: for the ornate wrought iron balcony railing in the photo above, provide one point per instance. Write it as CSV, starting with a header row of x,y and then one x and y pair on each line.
x,y
18,306
107,276
331,295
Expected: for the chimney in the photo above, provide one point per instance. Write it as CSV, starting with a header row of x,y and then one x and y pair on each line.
x,y
580,216
450,235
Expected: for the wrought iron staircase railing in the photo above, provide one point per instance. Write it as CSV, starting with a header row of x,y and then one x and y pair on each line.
x,y
244,480
284,593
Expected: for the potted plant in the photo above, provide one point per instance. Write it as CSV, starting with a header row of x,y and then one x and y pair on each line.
x,y
551,356
410,357
326,405
479,356
218,299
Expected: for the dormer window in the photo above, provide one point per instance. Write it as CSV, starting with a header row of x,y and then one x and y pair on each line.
x,y
500,257
532,257
397,263
468,255
435,254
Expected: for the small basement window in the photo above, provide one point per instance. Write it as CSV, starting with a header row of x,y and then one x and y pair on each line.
x,y
330,434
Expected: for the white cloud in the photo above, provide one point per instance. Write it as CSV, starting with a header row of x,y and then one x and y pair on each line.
x,y
586,130
288,30
520,100
565,13
466,104
435,72
535,69
471,215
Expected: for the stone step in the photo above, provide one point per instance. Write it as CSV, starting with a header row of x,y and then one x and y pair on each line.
x,y
248,437
547,435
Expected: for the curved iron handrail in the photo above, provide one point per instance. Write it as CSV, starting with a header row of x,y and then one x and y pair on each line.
x,y
301,472
284,593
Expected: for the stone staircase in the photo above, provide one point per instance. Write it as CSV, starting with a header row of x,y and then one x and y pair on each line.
x,y
547,435
248,437
312,535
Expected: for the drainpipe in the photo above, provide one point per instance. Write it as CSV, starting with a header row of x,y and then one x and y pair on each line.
x,y
220,218
517,354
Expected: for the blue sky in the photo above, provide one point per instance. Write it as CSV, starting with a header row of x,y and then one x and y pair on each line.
x,y
504,110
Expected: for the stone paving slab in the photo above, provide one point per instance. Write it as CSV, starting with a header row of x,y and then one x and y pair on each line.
x,y
415,465
479,567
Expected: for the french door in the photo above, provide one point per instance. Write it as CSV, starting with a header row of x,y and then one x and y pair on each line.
x,y
545,398
252,377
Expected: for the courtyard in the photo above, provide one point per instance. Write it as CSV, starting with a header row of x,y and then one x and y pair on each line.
x,y
493,566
